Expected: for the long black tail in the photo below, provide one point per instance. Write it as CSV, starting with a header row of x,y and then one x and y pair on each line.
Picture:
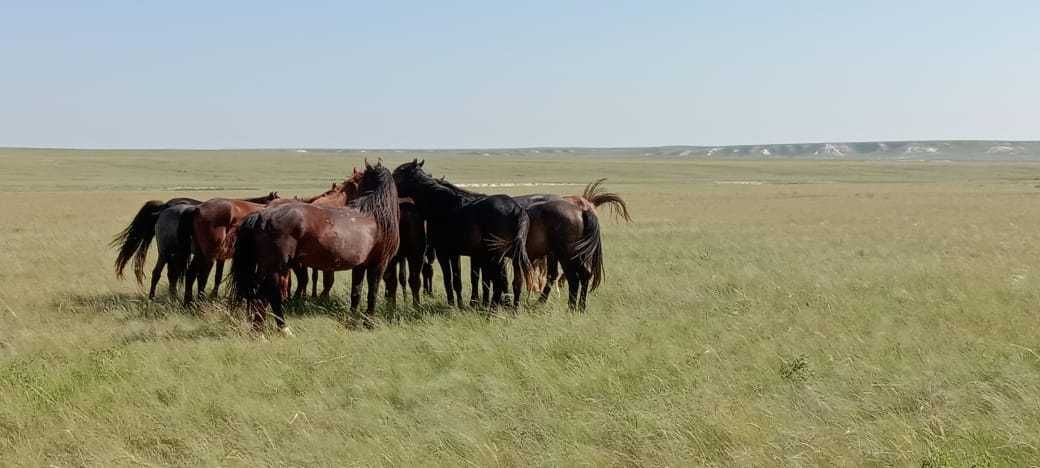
x,y
598,195
185,232
518,249
134,240
245,279
589,249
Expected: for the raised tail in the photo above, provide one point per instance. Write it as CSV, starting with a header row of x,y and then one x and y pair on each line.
x,y
245,279
589,248
134,240
598,195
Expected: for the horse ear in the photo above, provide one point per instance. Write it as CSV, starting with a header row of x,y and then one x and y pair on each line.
x,y
415,160
422,162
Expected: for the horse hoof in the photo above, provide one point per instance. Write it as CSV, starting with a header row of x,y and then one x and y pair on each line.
x,y
286,332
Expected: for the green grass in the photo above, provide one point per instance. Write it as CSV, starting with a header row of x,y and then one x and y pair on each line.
x,y
853,313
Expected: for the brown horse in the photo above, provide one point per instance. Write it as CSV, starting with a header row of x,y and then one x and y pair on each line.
x,y
362,237
335,197
212,237
569,235
160,221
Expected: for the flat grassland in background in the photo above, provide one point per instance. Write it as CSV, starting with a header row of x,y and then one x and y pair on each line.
x,y
755,313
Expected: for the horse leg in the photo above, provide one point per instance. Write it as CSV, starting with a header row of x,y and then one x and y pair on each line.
x,y
445,263
414,267
402,276
427,278
357,276
217,277
573,283
456,277
156,274
374,276
501,283
518,283
390,277
314,286
205,267
552,269
173,272
189,278
301,283
474,279
328,278
276,290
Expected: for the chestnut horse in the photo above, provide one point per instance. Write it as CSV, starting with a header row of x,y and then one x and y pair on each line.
x,y
161,221
212,237
362,237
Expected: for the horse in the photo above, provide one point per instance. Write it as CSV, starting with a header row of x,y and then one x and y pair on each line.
x,y
488,228
362,237
149,223
408,264
214,224
594,196
337,196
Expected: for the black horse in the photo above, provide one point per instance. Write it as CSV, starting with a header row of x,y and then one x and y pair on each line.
x,y
407,265
487,228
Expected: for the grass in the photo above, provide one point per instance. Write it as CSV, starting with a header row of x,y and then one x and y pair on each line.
x,y
853,313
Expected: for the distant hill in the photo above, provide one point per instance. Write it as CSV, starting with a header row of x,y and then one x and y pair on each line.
x,y
992,150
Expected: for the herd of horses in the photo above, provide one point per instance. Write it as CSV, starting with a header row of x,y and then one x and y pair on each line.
x,y
382,226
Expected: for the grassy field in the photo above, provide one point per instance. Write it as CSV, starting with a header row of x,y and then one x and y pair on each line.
x,y
755,313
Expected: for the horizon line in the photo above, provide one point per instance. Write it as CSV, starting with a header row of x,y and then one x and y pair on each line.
x,y
499,148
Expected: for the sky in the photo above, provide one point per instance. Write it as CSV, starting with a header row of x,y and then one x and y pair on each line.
x,y
187,74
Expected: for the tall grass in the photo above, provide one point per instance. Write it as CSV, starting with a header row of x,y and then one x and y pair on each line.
x,y
838,313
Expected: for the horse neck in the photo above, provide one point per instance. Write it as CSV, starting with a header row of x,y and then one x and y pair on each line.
x,y
335,199
435,198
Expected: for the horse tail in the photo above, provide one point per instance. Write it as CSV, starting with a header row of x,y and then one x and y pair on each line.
x,y
519,248
596,194
185,231
589,248
134,240
245,279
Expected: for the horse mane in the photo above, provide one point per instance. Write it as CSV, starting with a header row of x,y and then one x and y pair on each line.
x,y
262,200
379,199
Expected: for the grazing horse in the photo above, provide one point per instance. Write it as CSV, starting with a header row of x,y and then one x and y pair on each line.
x,y
214,224
361,237
153,221
487,228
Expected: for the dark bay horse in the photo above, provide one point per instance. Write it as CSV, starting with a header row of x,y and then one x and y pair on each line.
x,y
161,221
362,237
568,235
487,228
212,236
594,196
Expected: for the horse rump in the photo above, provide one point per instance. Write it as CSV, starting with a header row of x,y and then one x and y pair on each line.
x,y
245,279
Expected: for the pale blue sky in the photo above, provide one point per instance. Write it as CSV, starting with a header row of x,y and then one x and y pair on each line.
x,y
501,74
